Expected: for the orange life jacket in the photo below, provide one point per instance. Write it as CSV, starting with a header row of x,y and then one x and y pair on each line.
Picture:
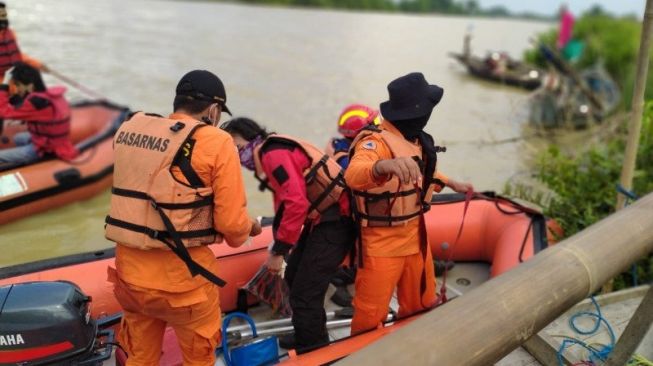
x,y
394,203
150,207
324,178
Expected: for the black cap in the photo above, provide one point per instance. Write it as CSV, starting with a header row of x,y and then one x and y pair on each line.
x,y
203,85
411,96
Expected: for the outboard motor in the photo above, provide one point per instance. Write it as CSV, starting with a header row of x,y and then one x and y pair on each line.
x,y
49,323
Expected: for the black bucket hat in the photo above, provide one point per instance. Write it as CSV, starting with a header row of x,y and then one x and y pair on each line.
x,y
203,85
411,96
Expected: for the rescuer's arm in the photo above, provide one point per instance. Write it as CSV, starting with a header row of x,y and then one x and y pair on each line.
x,y
359,174
372,165
440,181
285,176
230,215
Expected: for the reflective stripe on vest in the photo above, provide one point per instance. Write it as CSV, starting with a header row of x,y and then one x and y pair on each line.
x,y
324,177
393,203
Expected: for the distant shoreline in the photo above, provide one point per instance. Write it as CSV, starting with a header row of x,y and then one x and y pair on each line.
x,y
387,6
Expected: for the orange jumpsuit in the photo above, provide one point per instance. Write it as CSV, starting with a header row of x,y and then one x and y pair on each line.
x,y
391,255
155,288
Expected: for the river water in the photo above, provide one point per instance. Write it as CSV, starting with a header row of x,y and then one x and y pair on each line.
x,y
291,69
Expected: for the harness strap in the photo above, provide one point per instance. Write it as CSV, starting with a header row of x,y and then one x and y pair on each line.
x,y
383,195
182,252
187,170
389,218
338,180
313,172
205,201
157,234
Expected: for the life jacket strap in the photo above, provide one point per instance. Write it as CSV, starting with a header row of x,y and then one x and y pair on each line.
x,y
158,234
204,201
338,180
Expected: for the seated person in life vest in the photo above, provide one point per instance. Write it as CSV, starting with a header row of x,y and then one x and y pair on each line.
x,y
46,113
352,119
312,220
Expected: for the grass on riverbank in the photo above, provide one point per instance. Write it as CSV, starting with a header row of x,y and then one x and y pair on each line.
x,y
584,186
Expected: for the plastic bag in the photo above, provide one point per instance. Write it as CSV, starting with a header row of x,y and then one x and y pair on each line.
x,y
272,289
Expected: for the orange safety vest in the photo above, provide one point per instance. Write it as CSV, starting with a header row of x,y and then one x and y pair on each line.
x,y
150,207
393,203
324,178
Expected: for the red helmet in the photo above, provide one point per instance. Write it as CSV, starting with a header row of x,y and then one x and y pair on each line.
x,y
356,116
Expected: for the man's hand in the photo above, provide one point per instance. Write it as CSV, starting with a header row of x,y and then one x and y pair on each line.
x,y
460,187
256,228
274,263
406,169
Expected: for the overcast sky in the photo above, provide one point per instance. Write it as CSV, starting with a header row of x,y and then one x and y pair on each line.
x,y
576,6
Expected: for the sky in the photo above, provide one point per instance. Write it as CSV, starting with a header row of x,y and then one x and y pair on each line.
x,y
576,6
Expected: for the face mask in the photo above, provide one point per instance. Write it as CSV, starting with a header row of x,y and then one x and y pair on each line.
x,y
411,128
246,153
206,119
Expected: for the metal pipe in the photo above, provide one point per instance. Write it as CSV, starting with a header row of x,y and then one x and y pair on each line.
x,y
493,319
247,333
287,329
271,323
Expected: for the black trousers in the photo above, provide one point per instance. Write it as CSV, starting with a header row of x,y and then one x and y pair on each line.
x,y
310,268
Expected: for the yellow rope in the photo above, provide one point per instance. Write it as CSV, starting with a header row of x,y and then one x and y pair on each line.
x,y
639,360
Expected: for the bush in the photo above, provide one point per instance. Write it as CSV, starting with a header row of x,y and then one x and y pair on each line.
x,y
584,185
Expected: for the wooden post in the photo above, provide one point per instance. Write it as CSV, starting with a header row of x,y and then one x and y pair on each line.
x,y
637,105
634,332
493,319
635,125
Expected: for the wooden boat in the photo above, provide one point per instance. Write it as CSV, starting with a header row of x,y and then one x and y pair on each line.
x,y
51,183
516,74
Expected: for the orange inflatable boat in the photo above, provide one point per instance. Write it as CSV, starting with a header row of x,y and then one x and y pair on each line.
x,y
53,183
89,272
496,230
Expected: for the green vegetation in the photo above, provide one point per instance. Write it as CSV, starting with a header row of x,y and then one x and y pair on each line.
x,y
614,41
454,7
584,186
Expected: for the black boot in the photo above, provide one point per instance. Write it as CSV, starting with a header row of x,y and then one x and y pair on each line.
x,y
342,297
287,341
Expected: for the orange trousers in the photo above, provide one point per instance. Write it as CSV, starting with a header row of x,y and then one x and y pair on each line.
x,y
194,316
376,282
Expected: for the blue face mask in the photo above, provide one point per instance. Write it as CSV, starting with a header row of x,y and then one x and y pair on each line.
x,y
246,153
